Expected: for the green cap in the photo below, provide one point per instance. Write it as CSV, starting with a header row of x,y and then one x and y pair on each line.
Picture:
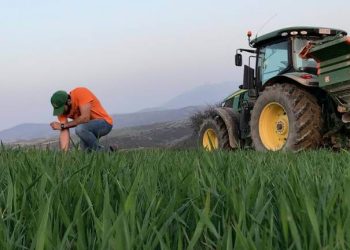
x,y
58,100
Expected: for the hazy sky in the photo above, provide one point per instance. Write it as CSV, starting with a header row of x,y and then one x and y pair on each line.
x,y
132,54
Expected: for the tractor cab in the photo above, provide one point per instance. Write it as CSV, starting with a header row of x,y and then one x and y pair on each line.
x,y
277,56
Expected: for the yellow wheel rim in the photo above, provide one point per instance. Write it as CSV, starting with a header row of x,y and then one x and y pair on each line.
x,y
273,126
210,140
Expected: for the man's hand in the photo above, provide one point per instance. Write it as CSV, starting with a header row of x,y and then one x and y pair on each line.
x,y
55,125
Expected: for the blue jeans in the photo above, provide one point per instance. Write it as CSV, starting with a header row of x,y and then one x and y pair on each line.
x,y
90,132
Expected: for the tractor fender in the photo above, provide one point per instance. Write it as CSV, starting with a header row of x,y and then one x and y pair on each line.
x,y
294,77
231,121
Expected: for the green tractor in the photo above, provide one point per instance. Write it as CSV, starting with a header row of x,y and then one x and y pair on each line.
x,y
295,94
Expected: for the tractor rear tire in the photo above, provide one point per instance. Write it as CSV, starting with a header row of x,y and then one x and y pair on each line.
x,y
286,118
213,134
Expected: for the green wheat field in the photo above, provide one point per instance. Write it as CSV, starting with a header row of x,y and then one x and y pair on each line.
x,y
174,199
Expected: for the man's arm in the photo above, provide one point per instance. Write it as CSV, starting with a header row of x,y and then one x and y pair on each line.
x,y
85,114
64,133
64,139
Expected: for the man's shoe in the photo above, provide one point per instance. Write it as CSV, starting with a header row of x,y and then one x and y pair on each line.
x,y
113,148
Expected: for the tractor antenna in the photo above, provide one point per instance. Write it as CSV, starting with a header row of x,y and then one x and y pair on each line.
x,y
264,24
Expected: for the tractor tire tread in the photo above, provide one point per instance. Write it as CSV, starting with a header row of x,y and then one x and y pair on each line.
x,y
303,106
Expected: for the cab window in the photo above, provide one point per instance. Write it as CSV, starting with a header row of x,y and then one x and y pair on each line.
x,y
273,59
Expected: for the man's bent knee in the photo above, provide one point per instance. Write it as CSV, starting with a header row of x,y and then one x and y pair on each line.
x,y
80,130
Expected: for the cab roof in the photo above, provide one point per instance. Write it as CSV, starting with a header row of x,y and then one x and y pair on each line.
x,y
295,31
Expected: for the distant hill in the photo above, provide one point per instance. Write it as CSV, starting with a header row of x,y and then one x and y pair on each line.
x,y
208,94
27,131
178,134
151,117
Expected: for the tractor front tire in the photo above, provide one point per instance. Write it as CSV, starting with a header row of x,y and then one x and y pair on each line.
x,y
213,134
287,118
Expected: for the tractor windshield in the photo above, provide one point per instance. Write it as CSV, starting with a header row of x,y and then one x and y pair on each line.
x,y
303,65
273,59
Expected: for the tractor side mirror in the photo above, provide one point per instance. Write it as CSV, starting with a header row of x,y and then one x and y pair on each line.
x,y
238,59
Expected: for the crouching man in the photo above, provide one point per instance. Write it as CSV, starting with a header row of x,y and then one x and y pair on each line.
x,y
89,118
